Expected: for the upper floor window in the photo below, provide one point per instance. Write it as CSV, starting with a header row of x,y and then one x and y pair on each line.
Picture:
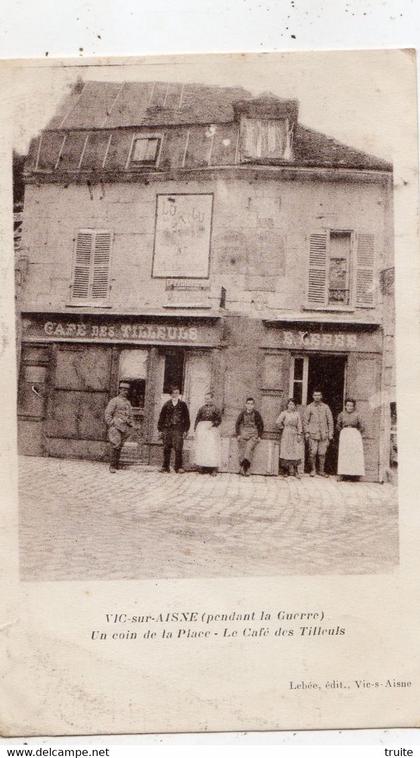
x,y
341,270
91,266
265,138
145,151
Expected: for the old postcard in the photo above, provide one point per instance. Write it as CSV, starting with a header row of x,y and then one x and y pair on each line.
x,y
209,325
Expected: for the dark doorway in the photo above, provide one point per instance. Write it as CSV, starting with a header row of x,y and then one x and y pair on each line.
x,y
327,373
174,371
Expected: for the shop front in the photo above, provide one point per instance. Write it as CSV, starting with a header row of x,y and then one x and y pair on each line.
x,y
342,360
71,367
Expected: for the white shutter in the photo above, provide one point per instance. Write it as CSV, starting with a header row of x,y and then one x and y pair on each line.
x,y
365,271
82,265
317,270
101,265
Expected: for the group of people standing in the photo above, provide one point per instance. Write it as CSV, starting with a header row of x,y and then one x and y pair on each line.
x,y
317,428
315,425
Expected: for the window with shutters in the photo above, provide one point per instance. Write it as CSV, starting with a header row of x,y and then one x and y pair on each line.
x,y
91,268
145,151
339,268
341,271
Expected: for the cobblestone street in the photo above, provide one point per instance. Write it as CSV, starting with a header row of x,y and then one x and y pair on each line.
x,y
77,521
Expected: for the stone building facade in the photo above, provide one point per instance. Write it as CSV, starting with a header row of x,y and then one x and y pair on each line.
x,y
199,235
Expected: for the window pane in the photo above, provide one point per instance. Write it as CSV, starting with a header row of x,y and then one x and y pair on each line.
x,y
339,270
39,354
263,138
145,150
298,369
174,371
297,392
133,364
136,392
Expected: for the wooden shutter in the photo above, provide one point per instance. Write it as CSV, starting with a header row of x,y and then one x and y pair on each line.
x,y
365,271
317,271
92,265
101,265
82,265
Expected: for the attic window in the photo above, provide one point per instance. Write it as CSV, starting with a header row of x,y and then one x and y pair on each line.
x,y
263,138
145,151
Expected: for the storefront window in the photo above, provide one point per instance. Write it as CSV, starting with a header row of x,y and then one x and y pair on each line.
x,y
133,369
136,392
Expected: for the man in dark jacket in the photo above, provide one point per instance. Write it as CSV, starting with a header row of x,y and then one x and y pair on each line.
x,y
249,429
173,425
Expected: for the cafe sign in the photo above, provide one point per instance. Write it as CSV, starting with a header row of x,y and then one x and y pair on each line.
x,y
81,330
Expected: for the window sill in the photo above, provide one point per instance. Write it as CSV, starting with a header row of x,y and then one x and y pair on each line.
x,y
89,304
190,306
141,166
330,308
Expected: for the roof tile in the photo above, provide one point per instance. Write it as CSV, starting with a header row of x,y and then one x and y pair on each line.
x,y
196,123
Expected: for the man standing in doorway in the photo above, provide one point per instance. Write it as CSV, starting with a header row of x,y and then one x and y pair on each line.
x,y
173,425
119,420
249,429
319,430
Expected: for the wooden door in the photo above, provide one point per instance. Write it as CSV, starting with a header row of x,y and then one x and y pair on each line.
x,y
81,379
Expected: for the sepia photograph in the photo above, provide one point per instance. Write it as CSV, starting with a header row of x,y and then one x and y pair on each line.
x,y
208,337
205,318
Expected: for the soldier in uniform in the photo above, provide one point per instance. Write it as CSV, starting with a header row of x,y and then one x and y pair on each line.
x,y
318,425
119,420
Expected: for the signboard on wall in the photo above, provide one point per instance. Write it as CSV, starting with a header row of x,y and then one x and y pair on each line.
x,y
72,328
182,235
308,338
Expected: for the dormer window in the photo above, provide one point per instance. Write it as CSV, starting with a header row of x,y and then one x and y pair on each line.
x,y
145,151
264,138
266,127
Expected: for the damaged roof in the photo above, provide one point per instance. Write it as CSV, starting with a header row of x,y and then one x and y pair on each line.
x,y
117,104
94,128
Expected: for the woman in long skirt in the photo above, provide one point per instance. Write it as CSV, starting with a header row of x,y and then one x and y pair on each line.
x,y
207,436
351,460
290,423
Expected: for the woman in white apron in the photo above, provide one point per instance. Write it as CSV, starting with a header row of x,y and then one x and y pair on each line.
x,y
351,460
290,423
206,454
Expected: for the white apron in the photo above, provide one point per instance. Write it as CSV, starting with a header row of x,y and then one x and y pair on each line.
x,y
207,448
351,461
